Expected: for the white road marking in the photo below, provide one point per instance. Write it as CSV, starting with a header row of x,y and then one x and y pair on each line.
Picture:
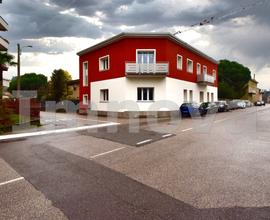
x,y
57,131
218,121
11,181
108,152
144,142
167,135
188,129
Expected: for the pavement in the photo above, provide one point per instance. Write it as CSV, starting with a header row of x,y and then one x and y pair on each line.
x,y
215,167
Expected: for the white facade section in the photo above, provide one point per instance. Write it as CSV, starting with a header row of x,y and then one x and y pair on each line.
x,y
168,94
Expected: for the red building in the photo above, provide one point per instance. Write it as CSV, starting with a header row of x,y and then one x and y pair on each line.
x,y
145,72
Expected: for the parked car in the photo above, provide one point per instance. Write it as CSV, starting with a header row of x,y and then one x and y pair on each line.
x,y
263,103
189,109
258,103
241,104
208,108
248,103
222,106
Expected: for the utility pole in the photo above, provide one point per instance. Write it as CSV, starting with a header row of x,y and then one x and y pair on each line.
x,y
18,70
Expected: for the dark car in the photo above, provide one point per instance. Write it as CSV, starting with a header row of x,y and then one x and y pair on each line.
x,y
258,103
222,106
189,109
208,108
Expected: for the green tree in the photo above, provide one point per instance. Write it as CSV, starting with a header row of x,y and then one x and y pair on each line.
x,y
6,60
32,81
232,77
58,85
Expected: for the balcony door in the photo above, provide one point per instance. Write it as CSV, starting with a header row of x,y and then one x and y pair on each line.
x,y
146,56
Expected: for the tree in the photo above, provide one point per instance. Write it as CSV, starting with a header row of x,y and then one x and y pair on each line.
x,y
58,85
232,78
31,81
6,60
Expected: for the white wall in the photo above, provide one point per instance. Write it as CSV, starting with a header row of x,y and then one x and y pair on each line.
x,y
123,93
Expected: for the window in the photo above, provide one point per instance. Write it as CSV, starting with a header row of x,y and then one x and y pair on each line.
x,y
145,56
179,62
104,95
201,96
185,95
190,96
215,74
85,99
145,94
199,69
204,70
212,97
85,73
189,66
104,63
208,97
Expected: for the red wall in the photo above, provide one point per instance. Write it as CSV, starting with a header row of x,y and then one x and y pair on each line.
x,y
124,51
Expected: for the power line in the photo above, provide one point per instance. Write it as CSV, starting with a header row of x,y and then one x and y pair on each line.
x,y
212,19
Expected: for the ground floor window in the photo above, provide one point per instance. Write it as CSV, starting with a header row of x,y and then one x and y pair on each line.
x,y
145,94
190,96
208,97
185,94
85,99
104,95
212,97
201,96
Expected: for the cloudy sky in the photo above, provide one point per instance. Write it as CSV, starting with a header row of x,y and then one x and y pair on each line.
x,y
58,29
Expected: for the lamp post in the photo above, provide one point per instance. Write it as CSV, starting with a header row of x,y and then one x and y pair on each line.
x,y
19,51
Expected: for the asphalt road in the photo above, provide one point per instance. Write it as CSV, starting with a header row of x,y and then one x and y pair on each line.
x,y
204,168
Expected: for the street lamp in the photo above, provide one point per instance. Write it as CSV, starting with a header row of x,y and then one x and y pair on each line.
x,y
19,51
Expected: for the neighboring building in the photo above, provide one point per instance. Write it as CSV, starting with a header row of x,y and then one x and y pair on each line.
x,y
266,96
3,47
251,91
6,83
73,89
145,68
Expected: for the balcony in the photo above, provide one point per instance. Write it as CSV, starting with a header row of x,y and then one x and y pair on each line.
x,y
155,69
3,24
3,44
205,79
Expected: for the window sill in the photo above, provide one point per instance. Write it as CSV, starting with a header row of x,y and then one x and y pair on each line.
x,y
104,70
145,101
103,101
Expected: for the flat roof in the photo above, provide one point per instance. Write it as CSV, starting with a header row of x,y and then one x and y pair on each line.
x,y
146,35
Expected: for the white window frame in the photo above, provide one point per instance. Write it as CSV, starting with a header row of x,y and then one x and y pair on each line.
x,y
146,50
189,60
199,67
179,67
85,96
148,94
102,95
85,74
204,68
100,63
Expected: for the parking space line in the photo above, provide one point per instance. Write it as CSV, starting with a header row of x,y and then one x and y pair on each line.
x,y
57,131
144,142
188,129
108,152
167,135
11,181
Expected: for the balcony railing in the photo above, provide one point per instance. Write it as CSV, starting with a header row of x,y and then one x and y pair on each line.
x,y
3,24
153,69
3,44
205,79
